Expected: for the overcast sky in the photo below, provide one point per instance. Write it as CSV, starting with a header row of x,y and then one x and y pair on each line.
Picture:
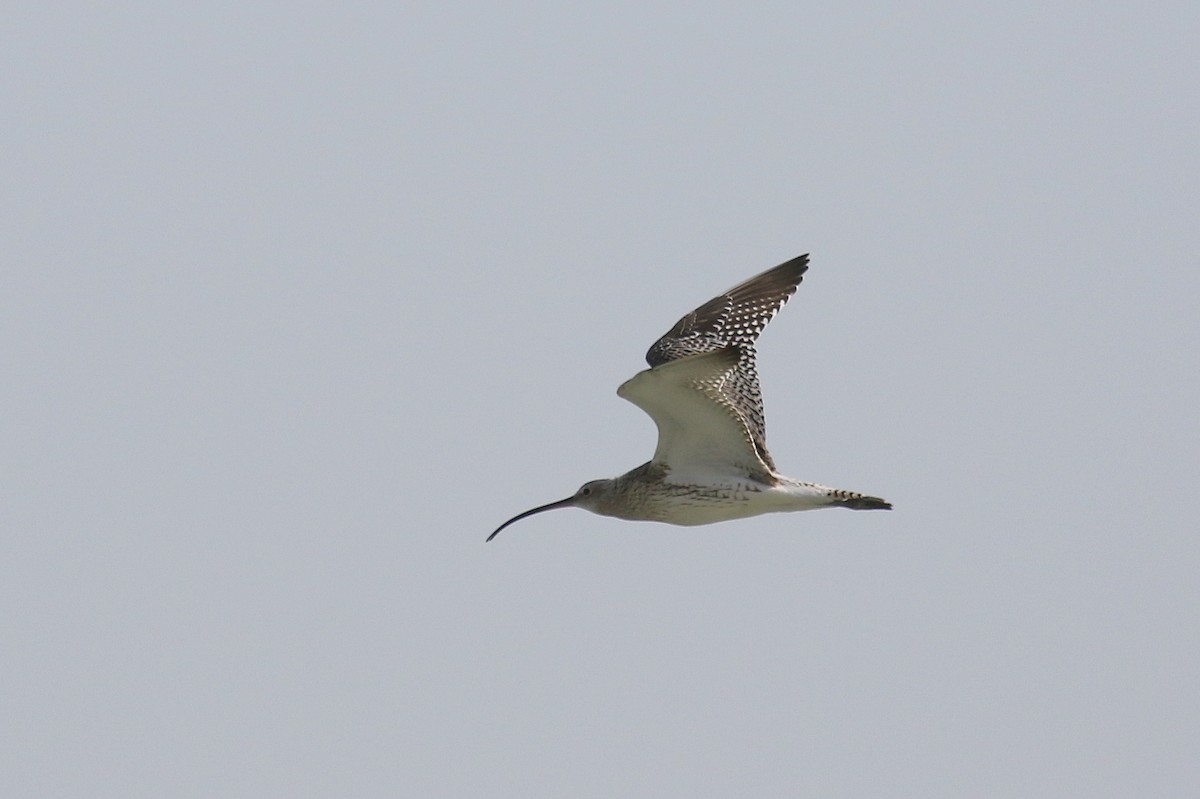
x,y
300,301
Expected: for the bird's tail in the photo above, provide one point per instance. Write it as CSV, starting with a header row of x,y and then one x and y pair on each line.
x,y
860,502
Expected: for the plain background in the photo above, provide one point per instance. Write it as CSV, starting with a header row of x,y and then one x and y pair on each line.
x,y
300,301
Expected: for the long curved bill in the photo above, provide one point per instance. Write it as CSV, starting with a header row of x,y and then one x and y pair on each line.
x,y
569,502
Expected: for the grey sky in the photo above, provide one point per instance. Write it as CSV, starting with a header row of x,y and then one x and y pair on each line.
x,y
300,302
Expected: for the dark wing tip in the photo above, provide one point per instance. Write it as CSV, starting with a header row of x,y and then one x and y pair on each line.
x,y
784,277
799,263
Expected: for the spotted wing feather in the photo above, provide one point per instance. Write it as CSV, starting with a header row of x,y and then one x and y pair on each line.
x,y
736,318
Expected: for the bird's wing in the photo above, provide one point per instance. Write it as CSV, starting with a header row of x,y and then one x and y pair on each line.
x,y
701,429
733,318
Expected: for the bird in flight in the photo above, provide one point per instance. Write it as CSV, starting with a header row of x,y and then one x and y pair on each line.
x,y
701,390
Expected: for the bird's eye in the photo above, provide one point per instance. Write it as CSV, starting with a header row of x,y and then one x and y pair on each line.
x,y
585,491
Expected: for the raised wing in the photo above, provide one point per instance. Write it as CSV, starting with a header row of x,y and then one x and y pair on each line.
x,y
701,430
734,318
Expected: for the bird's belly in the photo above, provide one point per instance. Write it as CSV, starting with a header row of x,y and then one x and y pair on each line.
x,y
689,504
705,504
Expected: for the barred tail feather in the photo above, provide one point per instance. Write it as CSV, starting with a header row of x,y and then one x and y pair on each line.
x,y
859,502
